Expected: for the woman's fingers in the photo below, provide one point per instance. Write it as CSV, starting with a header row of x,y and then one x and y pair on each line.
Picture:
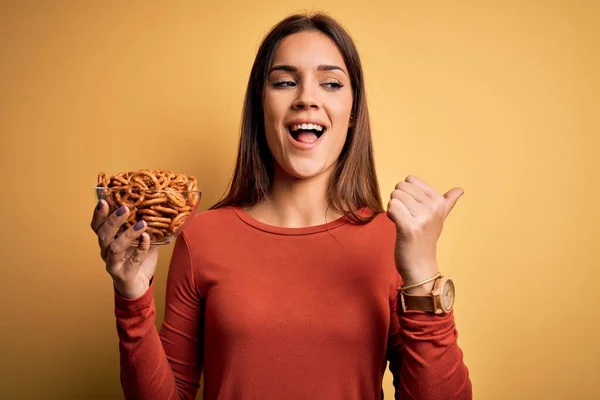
x,y
116,252
416,192
134,262
100,214
398,213
413,206
109,229
431,192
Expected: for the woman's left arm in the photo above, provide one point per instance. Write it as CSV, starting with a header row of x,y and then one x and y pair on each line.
x,y
424,355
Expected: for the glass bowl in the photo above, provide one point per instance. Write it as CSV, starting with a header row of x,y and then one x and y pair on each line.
x,y
166,211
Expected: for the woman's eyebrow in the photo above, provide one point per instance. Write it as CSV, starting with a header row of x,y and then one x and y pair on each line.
x,y
291,68
330,68
286,68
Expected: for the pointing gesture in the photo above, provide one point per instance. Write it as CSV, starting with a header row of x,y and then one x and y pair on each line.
x,y
419,212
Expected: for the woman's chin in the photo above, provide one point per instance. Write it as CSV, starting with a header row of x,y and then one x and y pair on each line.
x,y
305,169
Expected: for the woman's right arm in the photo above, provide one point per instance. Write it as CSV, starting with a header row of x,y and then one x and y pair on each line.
x,y
165,365
154,365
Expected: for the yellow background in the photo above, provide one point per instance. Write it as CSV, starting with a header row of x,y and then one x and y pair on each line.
x,y
498,97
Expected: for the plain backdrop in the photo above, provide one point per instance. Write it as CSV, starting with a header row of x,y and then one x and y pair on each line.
x,y
498,97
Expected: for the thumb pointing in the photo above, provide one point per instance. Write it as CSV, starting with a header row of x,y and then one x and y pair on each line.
x,y
452,197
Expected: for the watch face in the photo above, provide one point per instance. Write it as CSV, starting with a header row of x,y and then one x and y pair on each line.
x,y
448,295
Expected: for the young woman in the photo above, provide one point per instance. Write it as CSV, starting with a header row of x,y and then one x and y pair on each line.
x,y
297,285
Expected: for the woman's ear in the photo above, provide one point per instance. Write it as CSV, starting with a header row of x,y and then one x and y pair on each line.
x,y
351,122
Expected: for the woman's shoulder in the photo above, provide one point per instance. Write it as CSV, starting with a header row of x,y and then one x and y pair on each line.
x,y
210,221
212,231
379,231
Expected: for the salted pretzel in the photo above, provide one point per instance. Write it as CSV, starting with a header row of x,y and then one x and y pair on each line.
x,y
161,198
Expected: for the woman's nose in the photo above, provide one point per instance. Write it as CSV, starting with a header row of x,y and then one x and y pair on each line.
x,y
306,100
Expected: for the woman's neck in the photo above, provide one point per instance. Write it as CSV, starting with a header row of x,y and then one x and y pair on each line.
x,y
295,203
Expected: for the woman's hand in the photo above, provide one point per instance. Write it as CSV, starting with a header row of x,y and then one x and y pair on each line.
x,y
419,213
131,268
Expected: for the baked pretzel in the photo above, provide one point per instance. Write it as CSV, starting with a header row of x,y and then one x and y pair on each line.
x,y
161,198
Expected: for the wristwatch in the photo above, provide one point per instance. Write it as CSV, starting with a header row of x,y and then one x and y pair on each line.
x,y
440,301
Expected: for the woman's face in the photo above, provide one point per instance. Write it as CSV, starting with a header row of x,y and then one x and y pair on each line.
x,y
307,103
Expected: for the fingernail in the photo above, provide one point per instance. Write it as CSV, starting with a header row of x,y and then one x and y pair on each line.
x,y
120,211
138,226
99,205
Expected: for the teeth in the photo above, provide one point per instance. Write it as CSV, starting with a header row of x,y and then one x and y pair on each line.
x,y
306,126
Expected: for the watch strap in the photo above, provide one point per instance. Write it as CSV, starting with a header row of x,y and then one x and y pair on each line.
x,y
416,303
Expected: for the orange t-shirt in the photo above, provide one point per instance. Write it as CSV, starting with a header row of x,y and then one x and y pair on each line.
x,y
267,313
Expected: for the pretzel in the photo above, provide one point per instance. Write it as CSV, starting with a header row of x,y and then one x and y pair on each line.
x,y
178,221
161,198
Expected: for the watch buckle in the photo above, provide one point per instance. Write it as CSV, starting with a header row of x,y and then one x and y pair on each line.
x,y
402,302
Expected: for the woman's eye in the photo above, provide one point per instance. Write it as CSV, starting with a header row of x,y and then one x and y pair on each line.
x,y
333,85
284,84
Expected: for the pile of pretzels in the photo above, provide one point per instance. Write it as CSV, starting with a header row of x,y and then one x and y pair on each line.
x,y
161,198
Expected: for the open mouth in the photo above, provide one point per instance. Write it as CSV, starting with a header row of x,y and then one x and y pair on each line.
x,y
306,133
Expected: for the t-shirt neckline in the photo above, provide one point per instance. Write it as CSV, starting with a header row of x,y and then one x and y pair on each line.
x,y
307,230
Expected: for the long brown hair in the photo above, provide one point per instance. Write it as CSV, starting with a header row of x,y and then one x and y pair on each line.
x,y
353,185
